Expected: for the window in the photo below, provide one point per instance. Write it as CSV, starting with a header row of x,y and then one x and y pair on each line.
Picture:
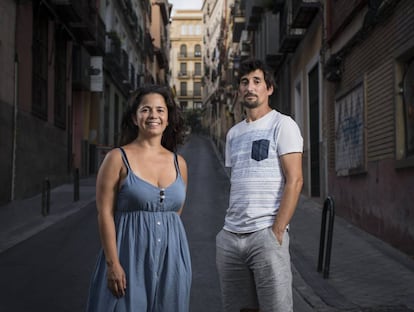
x,y
197,50
184,29
408,104
404,113
197,88
183,50
198,30
183,88
197,69
183,69
39,61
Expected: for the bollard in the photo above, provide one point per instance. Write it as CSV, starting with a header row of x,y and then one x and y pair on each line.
x,y
76,184
46,197
328,207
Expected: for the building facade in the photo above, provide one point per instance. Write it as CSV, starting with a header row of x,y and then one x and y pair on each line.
x,y
186,58
344,72
213,18
68,70
369,101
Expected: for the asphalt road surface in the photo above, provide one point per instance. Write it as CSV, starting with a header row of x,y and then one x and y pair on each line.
x,y
50,272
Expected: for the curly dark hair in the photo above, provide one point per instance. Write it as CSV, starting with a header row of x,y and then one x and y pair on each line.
x,y
173,134
249,65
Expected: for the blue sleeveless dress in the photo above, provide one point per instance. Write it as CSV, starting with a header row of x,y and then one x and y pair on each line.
x,y
152,247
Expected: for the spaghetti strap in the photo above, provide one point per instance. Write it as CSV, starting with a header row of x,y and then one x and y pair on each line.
x,y
177,167
124,158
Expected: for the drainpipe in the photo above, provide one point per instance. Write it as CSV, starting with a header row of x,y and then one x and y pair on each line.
x,y
325,118
14,141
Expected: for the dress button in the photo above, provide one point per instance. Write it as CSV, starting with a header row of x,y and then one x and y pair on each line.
x,y
159,240
158,222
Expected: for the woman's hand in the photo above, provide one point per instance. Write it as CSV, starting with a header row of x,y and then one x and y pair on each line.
x,y
116,279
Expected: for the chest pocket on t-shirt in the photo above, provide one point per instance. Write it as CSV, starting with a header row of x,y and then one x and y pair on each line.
x,y
260,149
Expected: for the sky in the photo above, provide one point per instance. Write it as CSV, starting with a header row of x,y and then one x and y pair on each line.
x,y
186,4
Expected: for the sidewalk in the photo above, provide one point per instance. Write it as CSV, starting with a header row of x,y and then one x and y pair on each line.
x,y
21,219
365,273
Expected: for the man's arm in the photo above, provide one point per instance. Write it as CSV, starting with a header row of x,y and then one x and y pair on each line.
x,y
292,169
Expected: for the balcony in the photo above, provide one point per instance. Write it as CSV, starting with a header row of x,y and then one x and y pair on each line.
x,y
81,17
290,37
290,40
96,46
189,55
238,26
116,61
303,12
113,47
161,58
196,74
117,64
184,94
239,20
184,74
71,10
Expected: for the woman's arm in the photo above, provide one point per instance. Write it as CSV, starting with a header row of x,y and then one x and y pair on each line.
x,y
106,192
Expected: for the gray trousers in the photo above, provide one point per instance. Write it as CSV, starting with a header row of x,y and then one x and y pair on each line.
x,y
254,271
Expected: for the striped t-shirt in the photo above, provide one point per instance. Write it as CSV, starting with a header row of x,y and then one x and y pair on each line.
x,y
257,180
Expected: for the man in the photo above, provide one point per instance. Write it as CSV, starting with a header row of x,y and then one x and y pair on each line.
x,y
264,152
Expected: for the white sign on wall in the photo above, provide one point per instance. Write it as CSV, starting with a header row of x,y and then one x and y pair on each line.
x,y
96,74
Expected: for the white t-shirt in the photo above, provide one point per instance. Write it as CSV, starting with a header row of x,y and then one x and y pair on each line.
x,y
257,180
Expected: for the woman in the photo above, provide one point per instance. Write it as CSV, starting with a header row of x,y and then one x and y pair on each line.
x,y
145,263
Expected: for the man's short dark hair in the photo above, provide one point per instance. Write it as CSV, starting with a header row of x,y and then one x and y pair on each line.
x,y
250,65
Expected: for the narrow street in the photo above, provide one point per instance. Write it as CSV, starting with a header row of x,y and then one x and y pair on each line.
x,y
50,271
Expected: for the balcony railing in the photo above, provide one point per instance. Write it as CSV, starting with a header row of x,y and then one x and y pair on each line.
x,y
189,94
187,74
183,74
290,36
188,55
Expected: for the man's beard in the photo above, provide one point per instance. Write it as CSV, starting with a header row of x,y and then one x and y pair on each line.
x,y
250,104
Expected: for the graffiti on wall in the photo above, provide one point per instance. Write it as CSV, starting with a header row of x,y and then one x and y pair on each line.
x,y
349,132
